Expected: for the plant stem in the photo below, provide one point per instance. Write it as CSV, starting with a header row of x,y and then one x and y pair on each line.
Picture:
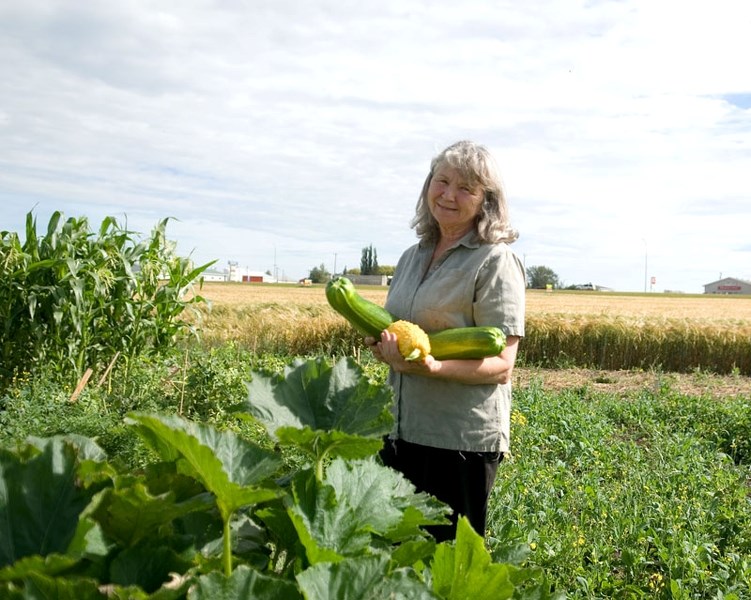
x,y
227,546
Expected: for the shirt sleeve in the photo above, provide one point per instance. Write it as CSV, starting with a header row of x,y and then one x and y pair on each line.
x,y
500,293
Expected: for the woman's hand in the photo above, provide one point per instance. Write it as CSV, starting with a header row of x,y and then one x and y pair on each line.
x,y
386,350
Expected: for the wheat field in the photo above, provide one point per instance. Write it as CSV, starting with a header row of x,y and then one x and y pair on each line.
x,y
694,307
680,333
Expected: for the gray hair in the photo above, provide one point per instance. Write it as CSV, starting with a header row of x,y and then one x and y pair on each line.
x,y
477,165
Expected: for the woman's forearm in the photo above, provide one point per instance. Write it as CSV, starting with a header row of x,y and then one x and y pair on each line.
x,y
490,370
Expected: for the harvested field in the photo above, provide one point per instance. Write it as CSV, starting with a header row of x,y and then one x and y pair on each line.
x,y
591,330
699,307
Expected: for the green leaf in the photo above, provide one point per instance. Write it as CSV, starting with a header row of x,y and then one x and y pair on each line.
x,y
234,470
466,570
363,578
129,513
318,397
243,583
356,501
146,566
42,587
318,443
52,564
382,499
41,497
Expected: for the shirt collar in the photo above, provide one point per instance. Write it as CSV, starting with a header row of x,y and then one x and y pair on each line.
x,y
469,240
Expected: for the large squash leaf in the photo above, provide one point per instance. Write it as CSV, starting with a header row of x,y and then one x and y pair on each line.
x,y
42,497
146,566
129,512
357,500
466,570
364,578
234,470
243,583
38,585
323,408
385,501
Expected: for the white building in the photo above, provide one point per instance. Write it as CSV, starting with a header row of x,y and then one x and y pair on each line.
x,y
728,285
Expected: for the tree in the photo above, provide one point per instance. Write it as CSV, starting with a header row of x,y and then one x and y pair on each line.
x,y
319,274
369,261
539,277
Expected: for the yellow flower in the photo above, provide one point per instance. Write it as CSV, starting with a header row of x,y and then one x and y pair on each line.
x,y
655,581
532,546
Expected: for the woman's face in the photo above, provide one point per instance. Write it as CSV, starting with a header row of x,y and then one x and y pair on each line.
x,y
452,200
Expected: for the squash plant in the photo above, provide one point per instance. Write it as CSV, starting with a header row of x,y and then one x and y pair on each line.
x,y
217,516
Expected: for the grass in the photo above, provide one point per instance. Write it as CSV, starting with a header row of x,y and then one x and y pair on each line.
x,y
643,495
626,483
620,484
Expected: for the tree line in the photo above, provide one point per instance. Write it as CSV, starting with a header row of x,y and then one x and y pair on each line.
x,y
539,277
368,266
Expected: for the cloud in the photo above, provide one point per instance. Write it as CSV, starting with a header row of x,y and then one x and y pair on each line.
x,y
305,131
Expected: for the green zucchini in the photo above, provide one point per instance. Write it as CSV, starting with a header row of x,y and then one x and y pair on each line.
x,y
370,319
467,342
367,317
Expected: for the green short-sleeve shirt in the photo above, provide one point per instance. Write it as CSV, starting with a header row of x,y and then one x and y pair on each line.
x,y
474,284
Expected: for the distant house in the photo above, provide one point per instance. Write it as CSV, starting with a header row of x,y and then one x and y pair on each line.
x,y
369,279
591,286
728,285
214,276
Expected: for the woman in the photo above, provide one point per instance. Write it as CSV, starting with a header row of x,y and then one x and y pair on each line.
x,y
452,417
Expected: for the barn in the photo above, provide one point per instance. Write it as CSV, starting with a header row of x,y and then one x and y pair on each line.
x,y
728,285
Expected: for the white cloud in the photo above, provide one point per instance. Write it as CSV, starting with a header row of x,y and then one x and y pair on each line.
x,y
305,130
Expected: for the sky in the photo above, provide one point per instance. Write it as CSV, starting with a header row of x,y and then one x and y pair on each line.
x,y
287,134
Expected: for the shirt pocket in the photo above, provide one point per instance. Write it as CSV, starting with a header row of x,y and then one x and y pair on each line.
x,y
445,300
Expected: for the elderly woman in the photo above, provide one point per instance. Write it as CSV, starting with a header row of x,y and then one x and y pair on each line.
x,y
453,416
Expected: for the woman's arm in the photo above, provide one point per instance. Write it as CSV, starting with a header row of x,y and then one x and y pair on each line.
x,y
493,369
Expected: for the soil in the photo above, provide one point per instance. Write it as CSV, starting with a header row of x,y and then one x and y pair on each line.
x,y
629,382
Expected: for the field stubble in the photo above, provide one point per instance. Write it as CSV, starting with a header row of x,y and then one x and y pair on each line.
x,y
694,307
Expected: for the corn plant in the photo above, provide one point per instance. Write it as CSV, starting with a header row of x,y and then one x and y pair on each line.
x,y
80,300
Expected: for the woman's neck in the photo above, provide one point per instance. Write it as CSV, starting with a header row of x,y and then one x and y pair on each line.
x,y
448,237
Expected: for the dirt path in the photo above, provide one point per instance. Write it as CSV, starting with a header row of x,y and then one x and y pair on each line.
x,y
629,382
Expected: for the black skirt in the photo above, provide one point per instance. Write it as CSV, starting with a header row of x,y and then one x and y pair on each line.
x,y
461,479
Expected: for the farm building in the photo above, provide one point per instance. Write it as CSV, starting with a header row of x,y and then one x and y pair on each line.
x,y
214,276
728,285
257,277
